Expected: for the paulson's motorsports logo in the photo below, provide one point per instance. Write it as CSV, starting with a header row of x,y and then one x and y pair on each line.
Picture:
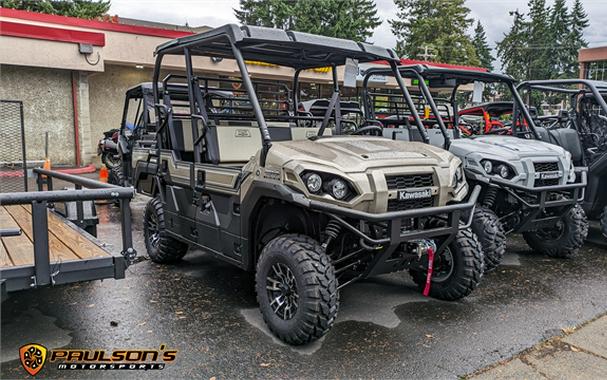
x,y
34,356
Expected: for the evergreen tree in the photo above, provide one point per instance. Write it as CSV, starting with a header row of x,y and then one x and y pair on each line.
x,y
270,13
434,26
513,49
575,40
538,42
350,19
559,33
482,47
88,9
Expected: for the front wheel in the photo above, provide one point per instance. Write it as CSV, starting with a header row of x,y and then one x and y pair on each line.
x,y
490,232
161,247
457,269
564,239
296,289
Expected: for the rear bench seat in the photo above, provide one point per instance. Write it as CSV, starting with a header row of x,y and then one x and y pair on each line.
x,y
238,141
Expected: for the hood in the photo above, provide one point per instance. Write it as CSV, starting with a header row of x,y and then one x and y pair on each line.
x,y
506,147
358,153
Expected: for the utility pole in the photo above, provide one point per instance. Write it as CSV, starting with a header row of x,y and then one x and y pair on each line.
x,y
427,56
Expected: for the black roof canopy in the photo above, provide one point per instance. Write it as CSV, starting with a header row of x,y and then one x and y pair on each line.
x,y
565,85
463,76
284,48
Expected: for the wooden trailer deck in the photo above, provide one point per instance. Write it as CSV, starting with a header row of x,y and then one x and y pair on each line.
x,y
40,248
66,242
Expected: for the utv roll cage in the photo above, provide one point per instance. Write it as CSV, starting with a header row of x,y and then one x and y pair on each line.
x,y
296,50
454,78
586,89
589,145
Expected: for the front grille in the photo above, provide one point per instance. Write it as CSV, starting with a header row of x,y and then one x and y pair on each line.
x,y
396,205
546,167
409,181
546,182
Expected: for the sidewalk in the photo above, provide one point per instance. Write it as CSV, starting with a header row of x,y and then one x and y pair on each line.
x,y
581,353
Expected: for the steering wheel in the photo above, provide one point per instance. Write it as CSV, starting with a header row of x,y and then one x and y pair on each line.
x,y
371,130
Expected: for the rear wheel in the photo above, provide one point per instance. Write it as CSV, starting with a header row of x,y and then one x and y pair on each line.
x,y
457,270
116,176
161,247
490,232
564,239
296,289
111,160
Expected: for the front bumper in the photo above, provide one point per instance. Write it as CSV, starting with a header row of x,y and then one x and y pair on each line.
x,y
536,200
396,230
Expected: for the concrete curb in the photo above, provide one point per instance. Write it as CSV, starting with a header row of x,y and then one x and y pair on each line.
x,y
580,353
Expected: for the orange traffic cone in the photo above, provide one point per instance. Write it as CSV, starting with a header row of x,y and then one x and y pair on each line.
x,y
47,164
103,174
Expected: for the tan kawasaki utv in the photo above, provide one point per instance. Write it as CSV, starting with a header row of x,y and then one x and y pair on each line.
x,y
280,194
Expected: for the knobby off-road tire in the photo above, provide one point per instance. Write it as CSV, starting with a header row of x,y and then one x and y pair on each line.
x,y
490,233
116,176
604,222
562,243
160,246
110,160
310,275
466,273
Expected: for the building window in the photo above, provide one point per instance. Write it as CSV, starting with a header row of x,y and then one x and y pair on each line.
x,y
596,70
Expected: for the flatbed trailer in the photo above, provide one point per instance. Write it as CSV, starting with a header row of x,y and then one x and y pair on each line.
x,y
38,247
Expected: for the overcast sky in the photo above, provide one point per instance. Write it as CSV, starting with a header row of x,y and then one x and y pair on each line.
x,y
492,13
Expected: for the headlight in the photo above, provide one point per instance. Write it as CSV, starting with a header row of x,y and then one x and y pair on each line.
x,y
488,166
338,189
314,182
324,183
503,171
498,168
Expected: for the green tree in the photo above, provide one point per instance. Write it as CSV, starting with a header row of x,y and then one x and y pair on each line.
x,y
559,33
512,49
88,9
270,13
483,51
538,43
575,40
351,19
437,27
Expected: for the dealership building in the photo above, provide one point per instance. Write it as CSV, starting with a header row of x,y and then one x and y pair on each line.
x,y
71,75
593,63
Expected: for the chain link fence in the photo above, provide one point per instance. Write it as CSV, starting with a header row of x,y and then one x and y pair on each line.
x,y
13,165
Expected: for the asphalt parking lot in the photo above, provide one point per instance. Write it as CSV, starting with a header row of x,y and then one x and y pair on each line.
x,y
385,329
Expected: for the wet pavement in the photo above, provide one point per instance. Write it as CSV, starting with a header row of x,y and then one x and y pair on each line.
x,y
207,310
